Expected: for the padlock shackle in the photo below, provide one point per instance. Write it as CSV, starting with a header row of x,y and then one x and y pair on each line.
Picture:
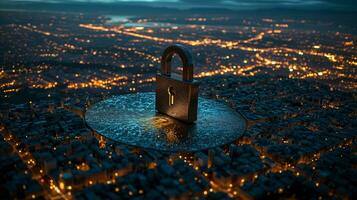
x,y
185,56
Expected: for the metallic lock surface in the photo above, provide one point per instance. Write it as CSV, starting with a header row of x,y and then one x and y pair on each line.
x,y
176,96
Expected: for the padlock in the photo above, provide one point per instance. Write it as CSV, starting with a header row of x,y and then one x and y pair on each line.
x,y
177,97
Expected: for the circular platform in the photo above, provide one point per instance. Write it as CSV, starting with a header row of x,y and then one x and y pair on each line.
x,y
132,119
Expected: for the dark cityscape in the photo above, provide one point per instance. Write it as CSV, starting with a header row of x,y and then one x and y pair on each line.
x,y
288,67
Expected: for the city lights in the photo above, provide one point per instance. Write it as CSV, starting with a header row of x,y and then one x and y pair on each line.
x,y
294,79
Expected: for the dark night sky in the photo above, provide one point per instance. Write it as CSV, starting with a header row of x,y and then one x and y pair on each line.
x,y
232,4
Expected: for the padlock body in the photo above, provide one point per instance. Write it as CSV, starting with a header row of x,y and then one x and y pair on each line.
x,y
185,103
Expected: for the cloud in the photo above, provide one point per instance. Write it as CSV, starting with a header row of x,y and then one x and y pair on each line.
x,y
233,4
254,4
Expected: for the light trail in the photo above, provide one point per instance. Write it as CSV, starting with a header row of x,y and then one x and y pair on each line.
x,y
203,42
219,43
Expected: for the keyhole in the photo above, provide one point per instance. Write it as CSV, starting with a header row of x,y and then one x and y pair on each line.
x,y
171,91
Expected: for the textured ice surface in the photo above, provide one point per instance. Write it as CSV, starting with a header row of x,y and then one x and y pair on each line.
x,y
132,119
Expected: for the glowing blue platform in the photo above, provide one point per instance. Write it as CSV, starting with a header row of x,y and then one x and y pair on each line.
x,y
131,119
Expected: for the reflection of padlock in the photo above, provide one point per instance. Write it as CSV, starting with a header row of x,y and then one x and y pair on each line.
x,y
177,97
